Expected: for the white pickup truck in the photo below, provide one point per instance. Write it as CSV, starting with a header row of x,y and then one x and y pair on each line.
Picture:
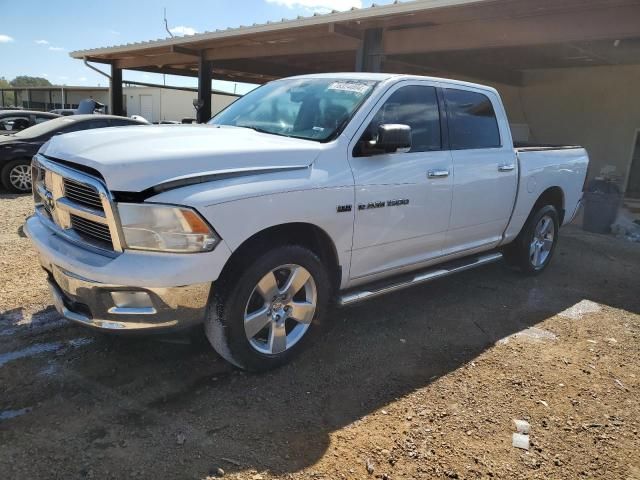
x,y
306,190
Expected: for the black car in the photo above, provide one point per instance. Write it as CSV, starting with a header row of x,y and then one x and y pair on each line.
x,y
17,149
12,121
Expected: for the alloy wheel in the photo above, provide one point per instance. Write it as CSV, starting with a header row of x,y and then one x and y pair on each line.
x,y
542,242
20,177
280,309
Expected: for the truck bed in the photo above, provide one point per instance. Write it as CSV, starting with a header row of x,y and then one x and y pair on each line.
x,y
547,166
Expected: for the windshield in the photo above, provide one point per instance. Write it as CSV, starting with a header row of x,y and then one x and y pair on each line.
x,y
309,108
44,127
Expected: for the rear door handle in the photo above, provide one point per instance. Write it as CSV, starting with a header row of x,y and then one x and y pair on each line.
x,y
506,168
437,173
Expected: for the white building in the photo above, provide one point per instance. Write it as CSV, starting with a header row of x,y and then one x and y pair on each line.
x,y
155,103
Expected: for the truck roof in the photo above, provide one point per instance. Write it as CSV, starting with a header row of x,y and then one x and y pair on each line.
x,y
382,77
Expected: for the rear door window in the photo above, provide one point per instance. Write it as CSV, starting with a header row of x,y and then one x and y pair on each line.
x,y
472,120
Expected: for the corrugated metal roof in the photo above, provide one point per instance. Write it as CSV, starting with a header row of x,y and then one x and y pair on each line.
x,y
354,14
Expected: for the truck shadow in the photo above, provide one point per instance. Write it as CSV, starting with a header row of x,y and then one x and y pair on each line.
x,y
181,411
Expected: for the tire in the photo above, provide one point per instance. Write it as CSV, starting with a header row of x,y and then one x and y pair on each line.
x,y
533,248
13,176
250,309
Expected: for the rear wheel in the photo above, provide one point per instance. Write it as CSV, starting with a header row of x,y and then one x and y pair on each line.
x,y
261,317
16,176
532,250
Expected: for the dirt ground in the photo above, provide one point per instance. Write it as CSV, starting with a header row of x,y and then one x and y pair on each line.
x,y
420,384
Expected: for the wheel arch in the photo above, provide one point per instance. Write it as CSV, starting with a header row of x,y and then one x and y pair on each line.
x,y
552,196
304,234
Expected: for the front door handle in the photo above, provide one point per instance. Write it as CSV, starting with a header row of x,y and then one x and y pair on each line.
x,y
437,173
506,168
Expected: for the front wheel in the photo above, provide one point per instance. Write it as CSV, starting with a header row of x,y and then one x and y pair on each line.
x,y
16,176
261,317
532,250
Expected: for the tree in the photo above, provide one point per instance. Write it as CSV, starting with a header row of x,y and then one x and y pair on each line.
x,y
9,97
27,81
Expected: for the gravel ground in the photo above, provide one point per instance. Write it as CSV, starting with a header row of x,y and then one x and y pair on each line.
x,y
420,384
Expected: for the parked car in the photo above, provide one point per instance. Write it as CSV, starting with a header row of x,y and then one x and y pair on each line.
x,y
344,186
16,149
12,121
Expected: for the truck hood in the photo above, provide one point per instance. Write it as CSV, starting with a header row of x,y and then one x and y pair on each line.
x,y
138,158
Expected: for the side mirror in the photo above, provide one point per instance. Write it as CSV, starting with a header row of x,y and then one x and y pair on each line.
x,y
392,137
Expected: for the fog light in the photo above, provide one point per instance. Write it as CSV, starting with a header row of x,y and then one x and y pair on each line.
x,y
131,303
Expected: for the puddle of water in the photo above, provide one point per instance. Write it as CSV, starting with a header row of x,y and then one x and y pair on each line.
x,y
580,309
532,334
7,414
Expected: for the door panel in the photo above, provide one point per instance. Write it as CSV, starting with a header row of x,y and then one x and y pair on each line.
x,y
484,170
401,215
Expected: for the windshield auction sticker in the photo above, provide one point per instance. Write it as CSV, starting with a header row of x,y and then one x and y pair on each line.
x,y
355,87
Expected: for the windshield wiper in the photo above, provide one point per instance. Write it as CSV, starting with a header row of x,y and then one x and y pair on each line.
x,y
263,130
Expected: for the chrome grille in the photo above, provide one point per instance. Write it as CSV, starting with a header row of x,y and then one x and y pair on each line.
x,y
75,205
83,194
91,230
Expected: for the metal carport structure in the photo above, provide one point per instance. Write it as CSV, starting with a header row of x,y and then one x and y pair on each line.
x,y
492,41
487,39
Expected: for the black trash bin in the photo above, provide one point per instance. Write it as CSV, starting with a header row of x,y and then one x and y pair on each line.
x,y
602,199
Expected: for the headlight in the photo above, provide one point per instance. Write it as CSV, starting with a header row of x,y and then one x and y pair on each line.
x,y
151,226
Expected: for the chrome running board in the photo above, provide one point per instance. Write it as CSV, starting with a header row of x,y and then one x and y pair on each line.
x,y
433,273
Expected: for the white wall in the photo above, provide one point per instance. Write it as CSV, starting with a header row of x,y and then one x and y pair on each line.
x,y
171,104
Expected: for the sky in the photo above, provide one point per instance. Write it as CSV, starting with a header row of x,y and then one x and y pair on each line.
x,y
37,36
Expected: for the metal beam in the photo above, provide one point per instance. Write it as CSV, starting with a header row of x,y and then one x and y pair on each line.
x,y
598,23
370,55
115,91
159,60
443,63
344,31
219,74
271,69
204,90
185,51
329,44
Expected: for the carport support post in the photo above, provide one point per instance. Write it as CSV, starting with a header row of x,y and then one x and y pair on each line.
x,y
115,91
370,54
204,89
